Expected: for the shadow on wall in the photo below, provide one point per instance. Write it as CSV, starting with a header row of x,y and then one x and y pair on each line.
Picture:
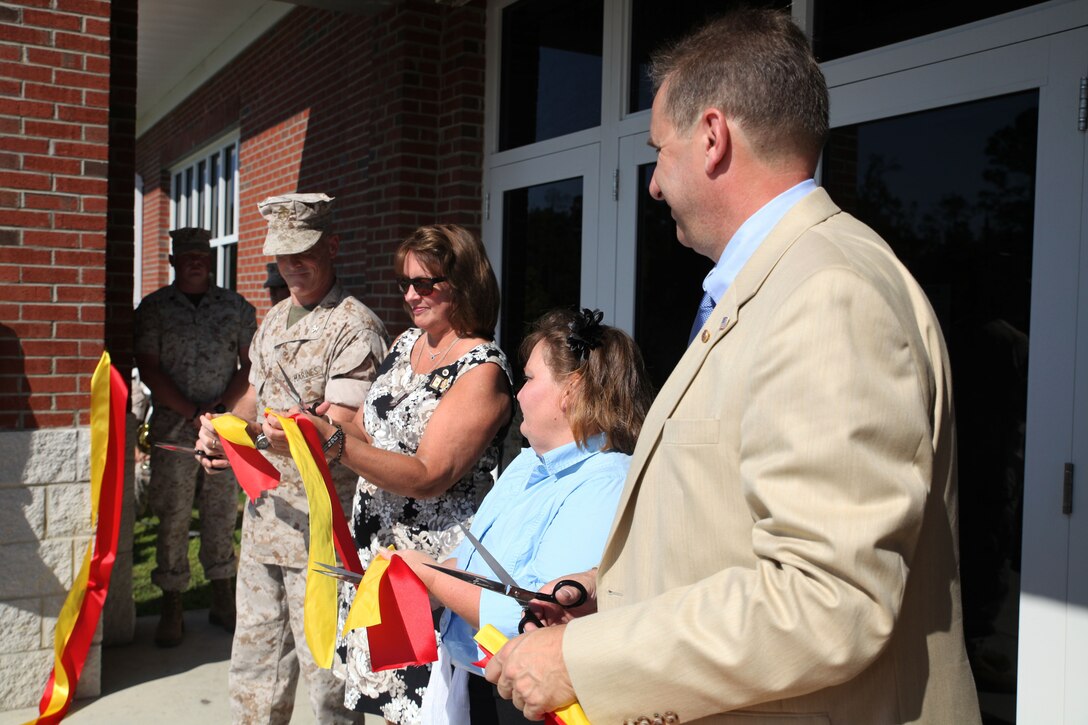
x,y
15,412
29,570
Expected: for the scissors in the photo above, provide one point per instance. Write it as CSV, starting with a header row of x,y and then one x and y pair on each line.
x,y
508,587
182,449
337,572
311,409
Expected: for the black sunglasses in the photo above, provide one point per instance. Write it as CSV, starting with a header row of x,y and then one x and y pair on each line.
x,y
424,285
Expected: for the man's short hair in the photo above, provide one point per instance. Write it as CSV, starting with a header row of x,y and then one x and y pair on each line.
x,y
755,65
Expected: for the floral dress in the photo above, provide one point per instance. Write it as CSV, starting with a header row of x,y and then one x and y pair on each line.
x,y
398,407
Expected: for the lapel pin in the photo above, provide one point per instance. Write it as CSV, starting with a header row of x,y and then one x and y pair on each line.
x,y
725,321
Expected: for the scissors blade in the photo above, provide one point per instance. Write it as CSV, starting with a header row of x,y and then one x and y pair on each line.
x,y
294,391
491,561
180,449
474,579
336,571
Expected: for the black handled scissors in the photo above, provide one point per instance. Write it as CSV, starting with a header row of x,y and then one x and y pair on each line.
x,y
521,596
509,587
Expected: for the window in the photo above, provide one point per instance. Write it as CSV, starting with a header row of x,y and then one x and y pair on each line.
x,y
204,193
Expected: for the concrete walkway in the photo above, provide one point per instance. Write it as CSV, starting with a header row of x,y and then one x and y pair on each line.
x,y
144,684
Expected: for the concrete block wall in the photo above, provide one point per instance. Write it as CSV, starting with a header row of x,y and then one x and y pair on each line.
x,y
45,517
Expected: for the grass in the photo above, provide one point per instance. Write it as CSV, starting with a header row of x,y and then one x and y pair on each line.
x,y
148,596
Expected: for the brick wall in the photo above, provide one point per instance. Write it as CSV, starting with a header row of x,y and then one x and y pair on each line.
x,y
385,113
54,115
66,171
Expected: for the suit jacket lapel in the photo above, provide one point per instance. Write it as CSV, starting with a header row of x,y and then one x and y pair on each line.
x,y
811,210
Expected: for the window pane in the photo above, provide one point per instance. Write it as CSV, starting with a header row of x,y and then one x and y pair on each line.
x,y
201,189
845,27
188,197
551,69
213,180
228,180
227,260
179,213
542,255
953,191
655,23
669,284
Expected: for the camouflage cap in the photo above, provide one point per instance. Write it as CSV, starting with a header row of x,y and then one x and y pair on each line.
x,y
188,240
295,221
275,279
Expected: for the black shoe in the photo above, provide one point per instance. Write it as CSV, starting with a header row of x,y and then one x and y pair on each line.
x,y
222,612
171,628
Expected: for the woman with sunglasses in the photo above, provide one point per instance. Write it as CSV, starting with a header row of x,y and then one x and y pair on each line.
x,y
430,429
585,396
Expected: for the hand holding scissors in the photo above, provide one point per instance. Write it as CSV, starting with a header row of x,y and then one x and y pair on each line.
x,y
521,596
508,587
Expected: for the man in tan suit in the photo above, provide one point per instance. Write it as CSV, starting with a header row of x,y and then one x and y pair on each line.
x,y
785,548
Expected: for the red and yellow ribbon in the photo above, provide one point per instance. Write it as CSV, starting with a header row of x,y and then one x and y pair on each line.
x,y
319,608
79,616
491,640
254,473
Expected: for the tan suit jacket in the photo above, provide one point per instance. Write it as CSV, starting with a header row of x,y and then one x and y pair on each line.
x,y
785,548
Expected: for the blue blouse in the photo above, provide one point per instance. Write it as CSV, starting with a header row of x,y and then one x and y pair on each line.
x,y
546,516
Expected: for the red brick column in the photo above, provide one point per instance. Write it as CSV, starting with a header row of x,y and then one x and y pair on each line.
x,y
54,116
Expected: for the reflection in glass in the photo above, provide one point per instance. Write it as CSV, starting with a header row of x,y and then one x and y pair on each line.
x,y
542,256
655,24
551,69
668,284
952,191
845,27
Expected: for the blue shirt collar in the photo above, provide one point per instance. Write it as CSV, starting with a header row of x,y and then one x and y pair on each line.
x,y
747,238
558,460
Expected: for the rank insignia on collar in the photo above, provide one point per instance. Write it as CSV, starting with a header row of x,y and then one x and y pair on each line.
x,y
725,321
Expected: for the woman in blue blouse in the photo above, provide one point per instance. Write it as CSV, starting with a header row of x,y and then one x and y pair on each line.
x,y
584,399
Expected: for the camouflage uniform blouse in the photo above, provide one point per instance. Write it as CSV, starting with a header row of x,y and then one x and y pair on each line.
x,y
197,347
330,354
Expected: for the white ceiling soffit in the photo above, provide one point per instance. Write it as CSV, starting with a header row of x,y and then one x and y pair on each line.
x,y
182,43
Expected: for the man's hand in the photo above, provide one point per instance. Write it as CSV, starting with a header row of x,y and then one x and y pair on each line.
x,y
529,670
551,614
207,440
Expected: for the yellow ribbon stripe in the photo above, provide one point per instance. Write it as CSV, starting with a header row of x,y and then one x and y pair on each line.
x,y
365,610
319,609
233,429
492,640
69,613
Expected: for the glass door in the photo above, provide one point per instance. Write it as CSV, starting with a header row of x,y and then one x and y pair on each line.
x,y
970,164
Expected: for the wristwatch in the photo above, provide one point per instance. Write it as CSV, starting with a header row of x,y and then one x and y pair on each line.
x,y
261,441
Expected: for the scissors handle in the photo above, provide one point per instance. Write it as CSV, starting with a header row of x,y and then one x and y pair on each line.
x,y
583,595
529,617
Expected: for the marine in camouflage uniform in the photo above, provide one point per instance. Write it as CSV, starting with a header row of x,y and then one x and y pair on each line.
x,y
194,357
331,352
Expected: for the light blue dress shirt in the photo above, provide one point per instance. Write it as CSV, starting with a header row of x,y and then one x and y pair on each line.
x,y
546,516
747,238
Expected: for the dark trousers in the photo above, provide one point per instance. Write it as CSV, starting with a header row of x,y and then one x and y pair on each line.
x,y
486,707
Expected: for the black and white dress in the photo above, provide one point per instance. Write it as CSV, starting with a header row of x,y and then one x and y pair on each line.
x,y
398,407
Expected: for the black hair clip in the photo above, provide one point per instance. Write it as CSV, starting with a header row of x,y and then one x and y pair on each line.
x,y
585,333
